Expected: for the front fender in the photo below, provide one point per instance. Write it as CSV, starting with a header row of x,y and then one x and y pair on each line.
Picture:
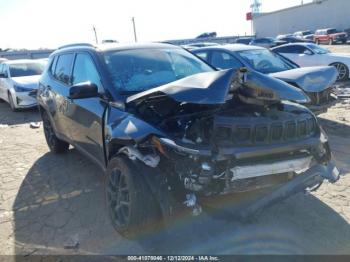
x,y
123,128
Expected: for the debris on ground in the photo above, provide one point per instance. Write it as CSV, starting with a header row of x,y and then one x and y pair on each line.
x,y
35,124
342,92
72,242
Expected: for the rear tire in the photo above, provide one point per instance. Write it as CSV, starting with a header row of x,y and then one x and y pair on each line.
x,y
12,104
56,145
330,41
131,206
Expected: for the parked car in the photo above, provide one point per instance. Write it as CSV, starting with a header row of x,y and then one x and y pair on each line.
x,y
308,54
169,130
244,40
266,42
307,34
292,39
197,45
109,41
207,35
330,36
316,82
282,36
19,82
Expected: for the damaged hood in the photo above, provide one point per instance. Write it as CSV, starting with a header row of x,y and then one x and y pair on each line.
x,y
214,87
309,79
203,88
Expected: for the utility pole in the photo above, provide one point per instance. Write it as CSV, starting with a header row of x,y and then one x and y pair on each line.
x,y
255,9
133,23
96,40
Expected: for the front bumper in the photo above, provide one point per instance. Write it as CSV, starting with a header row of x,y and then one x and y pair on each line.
x,y
312,177
25,99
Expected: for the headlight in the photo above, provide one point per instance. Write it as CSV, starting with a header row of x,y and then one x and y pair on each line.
x,y
21,89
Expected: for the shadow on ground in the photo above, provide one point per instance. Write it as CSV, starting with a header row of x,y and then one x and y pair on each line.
x,y
335,128
61,204
23,116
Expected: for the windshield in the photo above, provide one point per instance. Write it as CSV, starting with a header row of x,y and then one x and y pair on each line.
x,y
142,69
332,31
318,50
306,33
26,69
264,61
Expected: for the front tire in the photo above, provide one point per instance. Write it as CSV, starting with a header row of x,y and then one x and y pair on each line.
x,y
131,206
343,71
330,41
56,145
12,104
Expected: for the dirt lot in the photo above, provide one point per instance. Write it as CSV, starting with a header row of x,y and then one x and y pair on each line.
x,y
50,204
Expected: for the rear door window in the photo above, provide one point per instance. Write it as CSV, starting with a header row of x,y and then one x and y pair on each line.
x,y
292,49
64,68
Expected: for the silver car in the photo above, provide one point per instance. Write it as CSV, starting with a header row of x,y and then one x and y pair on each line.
x,y
19,82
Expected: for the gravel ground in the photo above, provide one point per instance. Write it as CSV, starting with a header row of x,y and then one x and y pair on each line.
x,y
54,204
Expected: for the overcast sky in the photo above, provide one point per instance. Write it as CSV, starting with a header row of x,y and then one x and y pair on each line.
x,y
51,23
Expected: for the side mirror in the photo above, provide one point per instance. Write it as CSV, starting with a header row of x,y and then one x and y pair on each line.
x,y
83,90
2,75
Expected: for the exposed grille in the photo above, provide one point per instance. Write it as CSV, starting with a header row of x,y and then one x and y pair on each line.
x,y
255,131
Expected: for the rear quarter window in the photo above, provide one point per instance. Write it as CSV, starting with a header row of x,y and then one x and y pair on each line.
x,y
53,65
63,68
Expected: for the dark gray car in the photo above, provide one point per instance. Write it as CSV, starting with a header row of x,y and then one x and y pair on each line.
x,y
169,131
316,82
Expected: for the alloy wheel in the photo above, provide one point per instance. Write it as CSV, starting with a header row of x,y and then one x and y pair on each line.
x,y
342,70
118,198
48,130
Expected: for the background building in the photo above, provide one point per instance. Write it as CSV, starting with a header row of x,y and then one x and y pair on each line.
x,y
312,16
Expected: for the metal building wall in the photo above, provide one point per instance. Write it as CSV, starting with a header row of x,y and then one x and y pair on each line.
x,y
312,16
28,54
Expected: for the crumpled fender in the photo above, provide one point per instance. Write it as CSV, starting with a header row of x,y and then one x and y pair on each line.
x,y
123,128
264,87
310,79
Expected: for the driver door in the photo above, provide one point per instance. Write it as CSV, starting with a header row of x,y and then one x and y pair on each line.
x,y
86,114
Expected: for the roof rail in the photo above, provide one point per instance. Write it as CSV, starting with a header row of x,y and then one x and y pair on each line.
x,y
76,44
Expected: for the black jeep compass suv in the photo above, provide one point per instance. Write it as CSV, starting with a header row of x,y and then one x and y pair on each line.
x,y
168,130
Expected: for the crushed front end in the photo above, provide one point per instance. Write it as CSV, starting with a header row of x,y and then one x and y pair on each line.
x,y
253,140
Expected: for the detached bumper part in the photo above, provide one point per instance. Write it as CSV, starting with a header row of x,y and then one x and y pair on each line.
x,y
310,178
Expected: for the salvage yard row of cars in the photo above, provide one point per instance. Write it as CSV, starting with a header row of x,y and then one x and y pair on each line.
x,y
328,36
171,129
